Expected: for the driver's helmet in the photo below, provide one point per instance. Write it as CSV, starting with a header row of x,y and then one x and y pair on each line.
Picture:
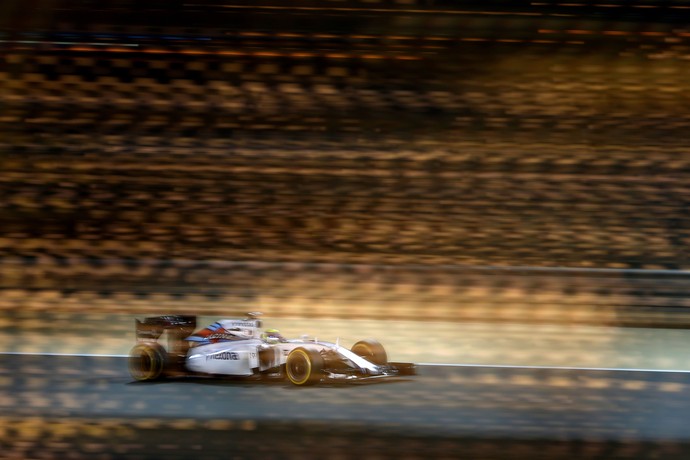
x,y
272,336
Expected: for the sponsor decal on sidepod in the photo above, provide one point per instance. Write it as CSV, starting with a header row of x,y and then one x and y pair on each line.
x,y
225,356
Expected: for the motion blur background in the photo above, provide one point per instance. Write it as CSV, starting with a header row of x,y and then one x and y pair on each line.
x,y
491,182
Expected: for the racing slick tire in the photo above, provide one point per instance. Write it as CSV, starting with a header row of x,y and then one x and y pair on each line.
x,y
147,361
371,350
304,366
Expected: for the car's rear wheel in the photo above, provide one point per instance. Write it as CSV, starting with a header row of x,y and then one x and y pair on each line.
x,y
304,366
146,361
371,350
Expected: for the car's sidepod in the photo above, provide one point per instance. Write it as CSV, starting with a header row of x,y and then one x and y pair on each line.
x,y
225,358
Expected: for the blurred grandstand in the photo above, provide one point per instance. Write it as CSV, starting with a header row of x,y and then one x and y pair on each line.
x,y
511,161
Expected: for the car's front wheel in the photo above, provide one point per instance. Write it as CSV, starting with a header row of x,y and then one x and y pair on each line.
x,y
371,350
146,361
304,366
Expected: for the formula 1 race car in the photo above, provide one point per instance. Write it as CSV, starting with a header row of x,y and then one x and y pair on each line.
x,y
241,347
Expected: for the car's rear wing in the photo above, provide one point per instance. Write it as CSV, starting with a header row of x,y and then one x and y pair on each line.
x,y
151,328
178,328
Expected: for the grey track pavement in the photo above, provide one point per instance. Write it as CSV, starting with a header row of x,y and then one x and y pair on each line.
x,y
88,406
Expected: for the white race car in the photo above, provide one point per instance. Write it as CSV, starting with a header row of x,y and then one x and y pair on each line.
x,y
241,347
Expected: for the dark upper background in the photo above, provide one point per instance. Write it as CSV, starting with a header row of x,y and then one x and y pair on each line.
x,y
230,148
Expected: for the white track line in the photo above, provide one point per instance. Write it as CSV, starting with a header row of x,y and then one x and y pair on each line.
x,y
559,368
484,366
79,355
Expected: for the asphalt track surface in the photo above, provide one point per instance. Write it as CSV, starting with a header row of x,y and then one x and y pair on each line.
x,y
89,406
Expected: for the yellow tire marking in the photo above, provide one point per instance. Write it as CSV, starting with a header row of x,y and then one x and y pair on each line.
x,y
308,361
